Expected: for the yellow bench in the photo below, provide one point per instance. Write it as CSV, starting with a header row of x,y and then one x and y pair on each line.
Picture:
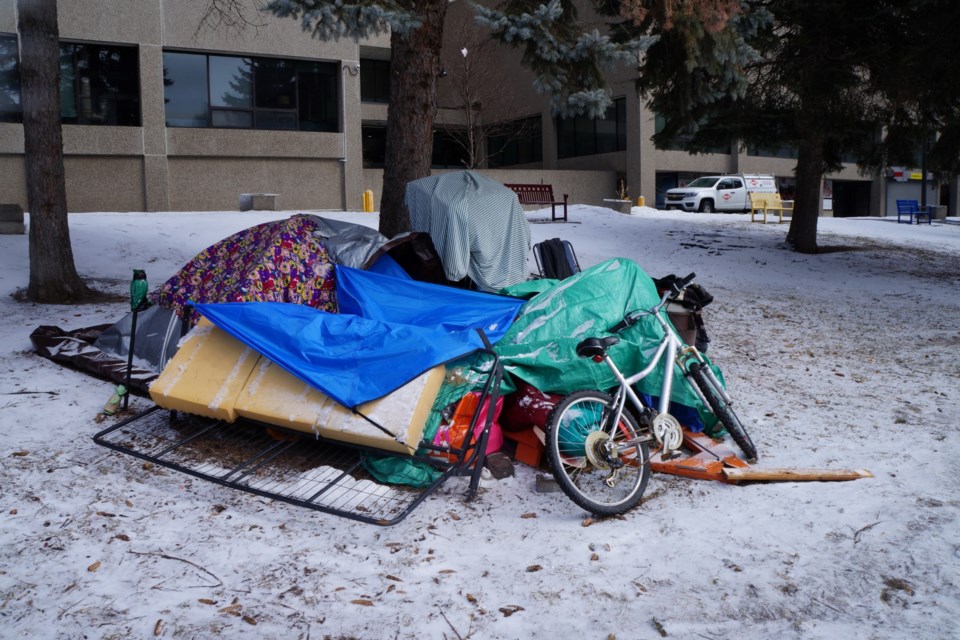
x,y
761,203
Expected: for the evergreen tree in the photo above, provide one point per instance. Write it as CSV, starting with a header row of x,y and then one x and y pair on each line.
x,y
832,78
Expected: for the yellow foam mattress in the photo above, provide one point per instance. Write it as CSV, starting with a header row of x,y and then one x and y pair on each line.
x,y
276,397
206,374
216,376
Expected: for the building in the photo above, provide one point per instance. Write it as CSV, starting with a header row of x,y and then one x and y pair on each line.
x,y
162,113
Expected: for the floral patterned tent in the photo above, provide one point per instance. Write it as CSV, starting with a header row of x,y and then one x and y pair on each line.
x,y
279,261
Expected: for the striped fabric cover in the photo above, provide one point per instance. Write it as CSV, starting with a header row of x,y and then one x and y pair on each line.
x,y
477,226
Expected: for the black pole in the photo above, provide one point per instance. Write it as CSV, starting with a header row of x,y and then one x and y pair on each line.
x,y
133,336
923,171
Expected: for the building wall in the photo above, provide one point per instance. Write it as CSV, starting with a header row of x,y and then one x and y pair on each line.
x,y
158,167
215,184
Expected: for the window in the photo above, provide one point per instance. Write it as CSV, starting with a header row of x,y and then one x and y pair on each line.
x,y
99,84
582,136
789,152
679,144
375,80
517,142
185,98
249,93
447,152
10,109
374,145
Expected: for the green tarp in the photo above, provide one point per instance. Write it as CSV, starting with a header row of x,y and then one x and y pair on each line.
x,y
540,347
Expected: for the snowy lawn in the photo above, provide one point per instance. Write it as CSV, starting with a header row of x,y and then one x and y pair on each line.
x,y
846,359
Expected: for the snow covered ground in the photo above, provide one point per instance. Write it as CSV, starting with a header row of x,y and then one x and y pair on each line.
x,y
846,359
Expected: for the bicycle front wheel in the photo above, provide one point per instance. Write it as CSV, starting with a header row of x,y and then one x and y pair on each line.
x,y
724,412
592,466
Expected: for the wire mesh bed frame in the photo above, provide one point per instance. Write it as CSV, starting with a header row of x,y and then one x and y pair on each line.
x,y
306,469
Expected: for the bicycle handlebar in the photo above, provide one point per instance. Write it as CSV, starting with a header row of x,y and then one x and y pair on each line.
x,y
682,284
675,289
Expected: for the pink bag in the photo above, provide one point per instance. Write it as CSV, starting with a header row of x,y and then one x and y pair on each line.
x,y
451,433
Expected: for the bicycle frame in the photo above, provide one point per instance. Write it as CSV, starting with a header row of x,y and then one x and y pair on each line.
x,y
677,353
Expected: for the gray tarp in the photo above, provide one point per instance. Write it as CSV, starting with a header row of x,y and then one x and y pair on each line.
x,y
158,332
477,226
349,244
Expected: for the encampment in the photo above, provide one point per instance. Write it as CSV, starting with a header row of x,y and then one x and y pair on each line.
x,y
316,329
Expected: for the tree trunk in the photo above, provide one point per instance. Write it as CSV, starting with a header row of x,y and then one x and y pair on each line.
x,y
414,70
802,235
53,276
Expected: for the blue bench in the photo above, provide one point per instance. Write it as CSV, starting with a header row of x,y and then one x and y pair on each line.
x,y
911,210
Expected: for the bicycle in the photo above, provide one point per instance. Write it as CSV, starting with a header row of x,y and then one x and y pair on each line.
x,y
599,451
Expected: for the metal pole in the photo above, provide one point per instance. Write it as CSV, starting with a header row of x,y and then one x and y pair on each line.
x,y
133,335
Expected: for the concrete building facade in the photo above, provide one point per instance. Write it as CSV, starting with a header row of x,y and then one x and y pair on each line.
x,y
279,112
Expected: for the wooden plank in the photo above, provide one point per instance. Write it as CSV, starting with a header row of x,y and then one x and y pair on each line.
x,y
794,475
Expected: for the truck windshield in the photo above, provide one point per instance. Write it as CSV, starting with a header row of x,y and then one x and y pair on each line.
x,y
703,182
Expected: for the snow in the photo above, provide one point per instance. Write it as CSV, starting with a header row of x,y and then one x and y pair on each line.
x,y
846,359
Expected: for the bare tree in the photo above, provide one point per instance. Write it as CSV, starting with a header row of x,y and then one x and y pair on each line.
x,y
475,77
53,275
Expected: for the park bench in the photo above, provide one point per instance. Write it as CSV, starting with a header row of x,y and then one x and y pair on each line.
x,y
541,194
912,209
761,203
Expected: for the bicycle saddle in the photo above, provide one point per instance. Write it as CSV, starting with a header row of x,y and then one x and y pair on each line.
x,y
596,347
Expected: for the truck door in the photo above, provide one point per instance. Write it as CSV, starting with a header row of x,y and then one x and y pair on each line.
x,y
731,195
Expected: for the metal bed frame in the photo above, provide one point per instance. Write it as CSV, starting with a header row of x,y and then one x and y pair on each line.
x,y
305,469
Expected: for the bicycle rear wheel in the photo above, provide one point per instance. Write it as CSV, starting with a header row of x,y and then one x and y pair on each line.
x,y
724,412
584,461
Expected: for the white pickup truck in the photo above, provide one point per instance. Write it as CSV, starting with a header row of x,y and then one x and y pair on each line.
x,y
719,193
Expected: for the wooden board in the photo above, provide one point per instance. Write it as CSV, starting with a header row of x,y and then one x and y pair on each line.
x,y
794,475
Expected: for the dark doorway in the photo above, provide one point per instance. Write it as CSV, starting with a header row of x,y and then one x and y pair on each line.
x,y
851,198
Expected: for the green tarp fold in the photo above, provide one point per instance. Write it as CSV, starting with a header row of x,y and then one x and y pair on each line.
x,y
540,347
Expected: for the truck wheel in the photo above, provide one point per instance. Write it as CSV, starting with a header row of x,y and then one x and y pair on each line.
x,y
706,206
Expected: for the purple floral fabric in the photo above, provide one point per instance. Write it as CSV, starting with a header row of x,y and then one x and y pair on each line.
x,y
276,261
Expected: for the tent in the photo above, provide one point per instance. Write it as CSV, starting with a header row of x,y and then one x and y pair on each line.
x,y
280,261
477,225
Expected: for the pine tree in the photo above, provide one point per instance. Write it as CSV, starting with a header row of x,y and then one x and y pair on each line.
x,y
833,78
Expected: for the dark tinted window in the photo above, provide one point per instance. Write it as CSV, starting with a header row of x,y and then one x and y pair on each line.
x,y
317,96
185,90
99,84
448,153
10,109
374,145
375,80
244,93
581,136
517,142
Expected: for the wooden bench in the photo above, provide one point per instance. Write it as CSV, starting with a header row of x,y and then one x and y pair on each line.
x,y
540,194
761,203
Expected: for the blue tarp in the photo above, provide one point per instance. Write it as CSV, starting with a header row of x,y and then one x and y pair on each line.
x,y
389,331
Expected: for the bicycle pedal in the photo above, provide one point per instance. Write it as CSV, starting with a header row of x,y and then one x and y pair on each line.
x,y
669,455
